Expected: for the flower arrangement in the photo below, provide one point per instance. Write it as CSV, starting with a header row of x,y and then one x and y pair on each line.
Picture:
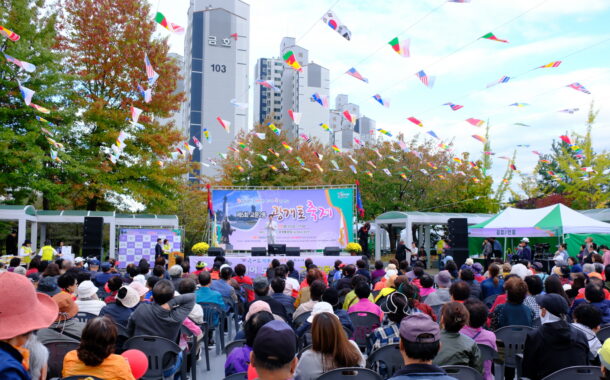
x,y
353,248
200,248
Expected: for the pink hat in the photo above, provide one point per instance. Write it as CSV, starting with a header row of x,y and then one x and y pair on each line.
x,y
256,307
22,309
141,289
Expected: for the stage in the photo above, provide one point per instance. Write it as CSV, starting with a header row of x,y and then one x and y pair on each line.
x,y
257,265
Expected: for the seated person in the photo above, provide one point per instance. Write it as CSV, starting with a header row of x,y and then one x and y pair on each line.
x,y
241,278
274,352
467,276
419,344
278,284
363,292
396,307
66,328
120,310
94,355
315,290
206,294
587,319
456,348
102,278
87,300
378,273
331,295
594,295
478,312
459,291
427,285
113,284
351,298
363,270
238,359
556,344
223,284
441,296
514,311
261,291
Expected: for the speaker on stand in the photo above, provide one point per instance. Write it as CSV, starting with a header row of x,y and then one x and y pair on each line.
x,y
332,251
293,251
259,251
93,236
458,239
216,251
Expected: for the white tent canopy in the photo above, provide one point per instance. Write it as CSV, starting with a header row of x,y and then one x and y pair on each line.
x,y
548,221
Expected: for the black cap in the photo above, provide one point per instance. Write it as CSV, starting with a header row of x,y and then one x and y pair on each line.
x,y
553,303
331,295
276,343
48,286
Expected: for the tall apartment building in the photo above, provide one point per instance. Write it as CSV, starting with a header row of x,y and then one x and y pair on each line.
x,y
344,132
268,101
366,128
216,74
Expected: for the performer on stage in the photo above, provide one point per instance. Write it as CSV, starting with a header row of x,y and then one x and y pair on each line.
x,y
226,231
363,238
271,229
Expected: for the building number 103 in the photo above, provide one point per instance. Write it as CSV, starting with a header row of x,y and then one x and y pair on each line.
x,y
219,68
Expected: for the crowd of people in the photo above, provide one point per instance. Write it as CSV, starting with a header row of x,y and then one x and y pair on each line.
x,y
435,320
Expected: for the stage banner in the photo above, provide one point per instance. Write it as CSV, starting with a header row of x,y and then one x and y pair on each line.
x,y
308,219
257,265
136,244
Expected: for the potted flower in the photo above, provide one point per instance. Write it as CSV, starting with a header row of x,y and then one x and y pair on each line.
x,y
353,248
201,248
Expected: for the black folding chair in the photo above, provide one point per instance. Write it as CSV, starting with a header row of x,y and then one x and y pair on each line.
x,y
232,314
603,334
577,372
83,317
512,338
57,352
488,353
303,350
390,357
298,321
206,346
237,376
364,323
350,373
461,372
162,354
193,349
212,312
234,344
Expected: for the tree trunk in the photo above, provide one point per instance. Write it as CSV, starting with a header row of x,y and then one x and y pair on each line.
x,y
92,204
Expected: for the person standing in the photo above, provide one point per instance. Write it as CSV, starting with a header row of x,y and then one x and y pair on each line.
x,y
487,251
159,249
363,238
167,247
47,252
271,228
25,252
401,251
497,247
525,253
11,243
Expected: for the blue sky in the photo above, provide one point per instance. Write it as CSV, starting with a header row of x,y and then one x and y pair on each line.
x,y
539,31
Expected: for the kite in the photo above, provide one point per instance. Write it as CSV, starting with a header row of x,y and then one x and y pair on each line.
x,y
273,168
274,129
401,47
146,94
284,165
523,145
305,137
454,107
336,149
383,102
325,127
224,123
135,114
206,133
353,72
480,138
267,84
276,154
27,94
545,161
351,118
475,122
403,176
536,152
321,99
295,116
161,20
286,146
522,124
150,72
331,19
386,171
26,66
518,105
577,86
335,165
39,108
383,131
263,157
9,34
300,160
238,104
504,79
369,173
491,36
549,65
431,133
565,139
353,168
570,110
291,60
320,156
240,168
512,167
372,164
319,168
415,121
457,159
425,79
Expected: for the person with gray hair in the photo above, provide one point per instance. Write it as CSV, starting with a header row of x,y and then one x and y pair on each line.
x,y
588,268
175,274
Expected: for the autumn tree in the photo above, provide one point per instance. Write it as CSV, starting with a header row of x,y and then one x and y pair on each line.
x,y
106,42
28,173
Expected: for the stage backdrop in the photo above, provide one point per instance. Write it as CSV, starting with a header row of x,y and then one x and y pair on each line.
x,y
309,219
257,265
136,244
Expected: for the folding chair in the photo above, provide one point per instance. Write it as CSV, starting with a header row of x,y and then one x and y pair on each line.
x,y
162,354
603,334
215,317
234,344
364,323
237,376
83,317
512,338
350,373
461,372
57,352
488,353
577,372
193,348
389,355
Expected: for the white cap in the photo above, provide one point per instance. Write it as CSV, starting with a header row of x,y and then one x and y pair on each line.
x,y
131,299
525,240
79,260
86,289
320,307
469,261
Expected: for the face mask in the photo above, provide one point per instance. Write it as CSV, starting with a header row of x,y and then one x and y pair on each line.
x,y
548,318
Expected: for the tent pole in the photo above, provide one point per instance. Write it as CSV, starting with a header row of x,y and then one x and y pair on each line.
x,y
505,247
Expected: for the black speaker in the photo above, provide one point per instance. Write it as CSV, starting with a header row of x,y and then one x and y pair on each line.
x,y
277,249
332,251
259,251
216,251
459,255
93,236
293,251
458,233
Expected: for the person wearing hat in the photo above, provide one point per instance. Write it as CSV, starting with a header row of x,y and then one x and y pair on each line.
x,y
238,360
25,252
390,272
395,307
200,267
87,299
102,278
274,351
524,251
419,344
175,274
556,344
127,298
330,346
17,300
441,296
65,328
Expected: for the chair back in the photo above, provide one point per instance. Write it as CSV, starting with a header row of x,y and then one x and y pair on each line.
x,y
350,373
513,338
234,344
57,352
122,336
298,321
161,353
603,334
489,300
583,372
487,353
364,323
213,314
237,376
461,372
303,350
81,377
83,317
388,355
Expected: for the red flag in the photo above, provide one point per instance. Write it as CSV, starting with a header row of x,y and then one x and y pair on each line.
x,y
210,206
359,204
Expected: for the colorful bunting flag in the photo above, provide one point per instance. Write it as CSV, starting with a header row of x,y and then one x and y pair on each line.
x,y
319,168
150,72
26,66
325,127
276,154
372,164
358,142
491,36
383,102
300,161
331,19
39,108
234,36
425,79
512,167
295,116
305,137
45,121
274,128
197,142
570,110
321,99
260,135
545,161
206,133
431,133
386,171
284,165
291,60
475,122
224,123
27,94
457,159
549,65
135,114
403,176
9,34
349,117
522,124
577,86
383,131
146,94
415,121
369,173
504,79
160,19
273,168
262,156
240,168
518,105
353,169
237,104
267,84
480,138
454,107
336,149
320,156
336,166
566,139
353,72
401,47
536,152
286,146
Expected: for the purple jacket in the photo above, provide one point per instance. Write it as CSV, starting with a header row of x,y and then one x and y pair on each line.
x,y
238,360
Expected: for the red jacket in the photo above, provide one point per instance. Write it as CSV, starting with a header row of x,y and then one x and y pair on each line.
x,y
246,280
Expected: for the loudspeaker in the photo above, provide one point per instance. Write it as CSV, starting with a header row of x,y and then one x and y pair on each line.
x,y
259,251
458,233
277,249
93,236
293,251
459,255
332,251
216,251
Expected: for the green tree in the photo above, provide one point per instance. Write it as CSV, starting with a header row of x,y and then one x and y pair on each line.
x,y
27,171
